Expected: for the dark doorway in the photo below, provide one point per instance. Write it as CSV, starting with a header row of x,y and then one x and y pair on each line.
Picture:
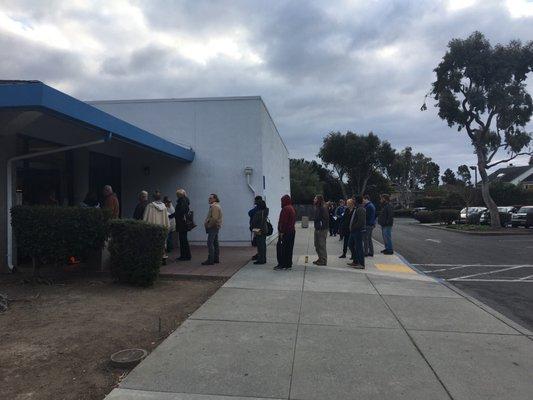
x,y
105,170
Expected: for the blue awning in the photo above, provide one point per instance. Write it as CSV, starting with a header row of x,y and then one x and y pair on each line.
x,y
37,95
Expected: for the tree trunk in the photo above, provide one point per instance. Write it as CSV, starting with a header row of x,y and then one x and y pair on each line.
x,y
343,189
487,198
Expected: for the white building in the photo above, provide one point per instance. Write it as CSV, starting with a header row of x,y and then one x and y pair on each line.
x,y
228,135
52,142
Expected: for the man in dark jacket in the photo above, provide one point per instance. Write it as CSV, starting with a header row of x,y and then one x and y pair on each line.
x,y
138,214
260,229
321,221
251,215
287,232
357,229
370,224
386,220
345,228
182,209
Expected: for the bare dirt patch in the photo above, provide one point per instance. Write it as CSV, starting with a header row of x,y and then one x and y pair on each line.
x,y
55,341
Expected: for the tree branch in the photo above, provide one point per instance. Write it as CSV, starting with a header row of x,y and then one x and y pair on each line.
x,y
489,159
529,153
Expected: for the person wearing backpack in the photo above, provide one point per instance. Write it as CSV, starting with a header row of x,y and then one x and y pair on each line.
x,y
260,230
182,211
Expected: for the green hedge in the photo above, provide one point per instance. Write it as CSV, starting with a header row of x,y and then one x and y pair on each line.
x,y
444,216
403,213
136,249
431,203
56,233
426,217
448,216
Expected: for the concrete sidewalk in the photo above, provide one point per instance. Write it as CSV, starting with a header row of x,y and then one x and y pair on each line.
x,y
333,332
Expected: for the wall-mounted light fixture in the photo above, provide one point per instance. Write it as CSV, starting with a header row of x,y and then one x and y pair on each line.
x,y
248,171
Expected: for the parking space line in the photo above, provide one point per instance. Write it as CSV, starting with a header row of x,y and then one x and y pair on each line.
x,y
450,269
492,280
526,278
472,265
487,273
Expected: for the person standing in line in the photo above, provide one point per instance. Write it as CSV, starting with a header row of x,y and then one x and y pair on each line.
x,y
156,213
260,231
251,215
357,229
111,201
182,210
339,213
171,211
286,232
386,220
332,218
370,224
212,224
321,222
138,213
345,228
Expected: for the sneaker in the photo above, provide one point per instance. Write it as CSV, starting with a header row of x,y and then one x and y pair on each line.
x,y
208,263
287,268
342,256
278,268
255,257
388,252
357,266
260,262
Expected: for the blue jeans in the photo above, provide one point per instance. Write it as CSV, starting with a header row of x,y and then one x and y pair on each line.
x,y
386,231
212,245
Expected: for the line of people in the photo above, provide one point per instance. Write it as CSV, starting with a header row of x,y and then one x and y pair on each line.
x,y
180,219
260,229
354,221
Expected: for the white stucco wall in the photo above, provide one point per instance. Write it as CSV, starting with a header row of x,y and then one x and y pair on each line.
x,y
275,160
227,134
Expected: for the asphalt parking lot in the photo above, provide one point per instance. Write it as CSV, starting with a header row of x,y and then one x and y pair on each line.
x,y
497,270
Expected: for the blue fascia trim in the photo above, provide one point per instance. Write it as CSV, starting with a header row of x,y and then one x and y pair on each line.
x,y
39,95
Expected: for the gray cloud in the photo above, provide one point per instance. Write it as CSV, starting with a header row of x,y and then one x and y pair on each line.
x,y
319,65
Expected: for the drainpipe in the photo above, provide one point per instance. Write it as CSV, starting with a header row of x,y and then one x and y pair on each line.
x,y
248,171
9,189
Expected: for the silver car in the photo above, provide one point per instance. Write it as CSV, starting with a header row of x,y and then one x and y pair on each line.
x,y
524,217
485,215
468,212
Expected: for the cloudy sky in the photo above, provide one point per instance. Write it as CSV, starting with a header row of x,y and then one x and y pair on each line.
x,y
360,65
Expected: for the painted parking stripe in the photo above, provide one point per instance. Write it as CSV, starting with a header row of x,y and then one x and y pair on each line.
x,y
473,265
492,280
486,273
526,278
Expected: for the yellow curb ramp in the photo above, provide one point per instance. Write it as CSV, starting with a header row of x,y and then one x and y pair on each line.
x,y
395,268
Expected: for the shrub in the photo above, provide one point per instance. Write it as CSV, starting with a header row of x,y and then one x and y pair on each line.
x,y
55,233
448,216
136,250
431,203
403,213
473,219
426,217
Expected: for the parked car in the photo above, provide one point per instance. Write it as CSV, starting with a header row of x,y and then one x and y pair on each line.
x,y
469,213
523,217
509,210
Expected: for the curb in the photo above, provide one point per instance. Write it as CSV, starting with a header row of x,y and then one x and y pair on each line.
x,y
516,233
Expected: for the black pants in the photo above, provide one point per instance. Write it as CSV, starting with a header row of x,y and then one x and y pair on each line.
x,y
346,244
284,249
261,248
185,250
357,242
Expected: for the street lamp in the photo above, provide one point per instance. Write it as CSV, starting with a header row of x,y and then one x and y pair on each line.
x,y
474,168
